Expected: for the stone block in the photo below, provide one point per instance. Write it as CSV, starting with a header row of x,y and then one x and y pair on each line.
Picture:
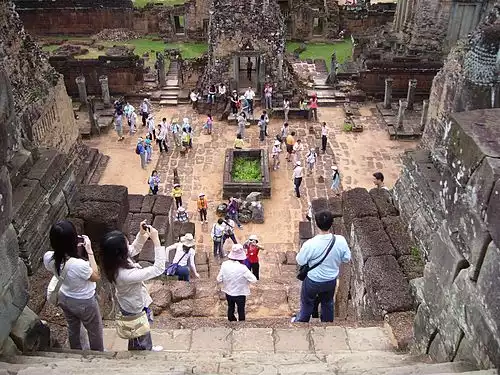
x,y
201,258
369,338
493,214
290,257
162,224
211,340
398,234
48,169
135,223
386,285
29,333
253,340
161,295
357,203
19,166
78,223
38,289
412,266
182,308
25,200
305,230
135,202
292,340
5,199
383,201
180,229
205,307
370,237
401,326
177,340
319,204
335,206
104,193
9,250
162,205
182,290
100,218
488,281
8,349
148,203
147,253
328,340
482,183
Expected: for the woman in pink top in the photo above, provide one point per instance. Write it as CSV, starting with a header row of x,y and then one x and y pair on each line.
x,y
313,108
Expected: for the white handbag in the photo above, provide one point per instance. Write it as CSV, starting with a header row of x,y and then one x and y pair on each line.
x,y
55,284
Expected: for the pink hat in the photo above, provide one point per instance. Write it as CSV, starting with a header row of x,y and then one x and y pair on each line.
x,y
237,252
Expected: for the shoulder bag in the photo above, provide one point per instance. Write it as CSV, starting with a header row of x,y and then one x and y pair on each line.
x,y
172,269
55,284
304,269
132,326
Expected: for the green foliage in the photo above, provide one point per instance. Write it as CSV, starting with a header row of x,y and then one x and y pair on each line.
x,y
246,169
415,253
347,127
343,50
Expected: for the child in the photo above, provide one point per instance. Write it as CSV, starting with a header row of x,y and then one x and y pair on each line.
x,y
252,248
153,182
202,207
176,133
336,180
177,194
275,154
182,215
149,148
311,160
209,124
185,138
190,136
238,142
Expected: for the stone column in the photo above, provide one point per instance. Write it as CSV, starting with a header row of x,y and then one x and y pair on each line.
x,y
160,66
388,93
105,91
425,110
410,98
401,114
82,89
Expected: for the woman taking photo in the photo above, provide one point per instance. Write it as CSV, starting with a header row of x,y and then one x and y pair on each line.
x,y
128,277
77,292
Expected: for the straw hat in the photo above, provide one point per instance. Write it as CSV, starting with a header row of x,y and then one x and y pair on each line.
x,y
237,252
334,167
201,194
177,185
188,240
253,237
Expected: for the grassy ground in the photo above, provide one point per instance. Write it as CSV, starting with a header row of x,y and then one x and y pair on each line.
x,y
324,50
143,3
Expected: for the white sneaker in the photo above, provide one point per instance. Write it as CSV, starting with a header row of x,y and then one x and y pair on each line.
x,y
293,320
157,348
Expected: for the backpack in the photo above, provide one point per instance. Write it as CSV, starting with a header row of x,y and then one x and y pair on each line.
x,y
137,150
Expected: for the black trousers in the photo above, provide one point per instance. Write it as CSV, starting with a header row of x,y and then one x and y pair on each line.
x,y
297,181
144,118
178,202
239,301
162,145
255,267
203,214
323,143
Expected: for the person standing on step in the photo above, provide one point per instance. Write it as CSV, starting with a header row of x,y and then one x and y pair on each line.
x,y
184,255
268,96
128,278
161,138
177,194
154,182
235,278
335,180
286,108
249,96
297,178
140,149
324,253
232,211
311,160
72,259
252,249
249,69
324,137
145,109
193,96
202,205
313,108
275,154
217,233
229,225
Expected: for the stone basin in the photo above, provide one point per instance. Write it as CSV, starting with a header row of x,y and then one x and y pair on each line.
x,y
231,188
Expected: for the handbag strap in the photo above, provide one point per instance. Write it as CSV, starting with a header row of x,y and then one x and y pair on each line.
x,y
330,247
62,276
182,257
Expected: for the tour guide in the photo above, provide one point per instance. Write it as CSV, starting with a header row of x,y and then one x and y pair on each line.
x,y
321,281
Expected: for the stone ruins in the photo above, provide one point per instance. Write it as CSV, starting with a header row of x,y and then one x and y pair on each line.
x,y
418,100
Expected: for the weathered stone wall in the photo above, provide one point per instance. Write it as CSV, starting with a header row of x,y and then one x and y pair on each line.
x,y
448,196
302,14
125,74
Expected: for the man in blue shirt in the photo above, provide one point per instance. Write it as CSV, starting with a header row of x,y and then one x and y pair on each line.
x,y
321,281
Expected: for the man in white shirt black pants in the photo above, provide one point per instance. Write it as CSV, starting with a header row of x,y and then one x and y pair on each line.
x,y
297,177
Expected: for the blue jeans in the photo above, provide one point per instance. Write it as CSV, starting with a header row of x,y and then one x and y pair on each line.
x,y
143,342
308,293
183,273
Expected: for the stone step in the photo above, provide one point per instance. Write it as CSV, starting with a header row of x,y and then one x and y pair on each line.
x,y
169,97
101,166
92,168
169,102
87,164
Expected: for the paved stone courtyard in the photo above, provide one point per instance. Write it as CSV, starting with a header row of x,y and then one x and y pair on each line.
x,y
357,155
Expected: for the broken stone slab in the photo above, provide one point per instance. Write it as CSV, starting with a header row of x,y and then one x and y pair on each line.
x,y
370,237
135,202
161,295
180,229
182,290
162,205
162,224
387,288
148,203
181,309
383,201
29,333
257,212
357,203
48,169
398,234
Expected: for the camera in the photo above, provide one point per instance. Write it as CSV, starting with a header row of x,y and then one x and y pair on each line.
x,y
82,253
145,227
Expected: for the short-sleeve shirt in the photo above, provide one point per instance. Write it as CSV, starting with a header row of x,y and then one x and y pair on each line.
x,y
253,253
76,284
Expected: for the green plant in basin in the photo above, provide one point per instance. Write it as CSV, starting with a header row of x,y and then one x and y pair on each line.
x,y
246,169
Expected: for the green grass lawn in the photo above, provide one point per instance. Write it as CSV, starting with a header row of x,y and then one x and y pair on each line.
x,y
324,50
143,3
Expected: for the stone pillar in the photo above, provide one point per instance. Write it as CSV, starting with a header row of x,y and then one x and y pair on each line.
x,y
401,114
410,98
388,93
105,91
160,66
82,89
425,110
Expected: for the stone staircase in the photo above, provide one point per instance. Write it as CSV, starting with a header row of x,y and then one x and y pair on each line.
x,y
335,95
296,350
170,94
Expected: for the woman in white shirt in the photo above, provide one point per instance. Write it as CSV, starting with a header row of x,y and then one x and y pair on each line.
x,y
235,278
128,277
286,108
77,293
184,254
